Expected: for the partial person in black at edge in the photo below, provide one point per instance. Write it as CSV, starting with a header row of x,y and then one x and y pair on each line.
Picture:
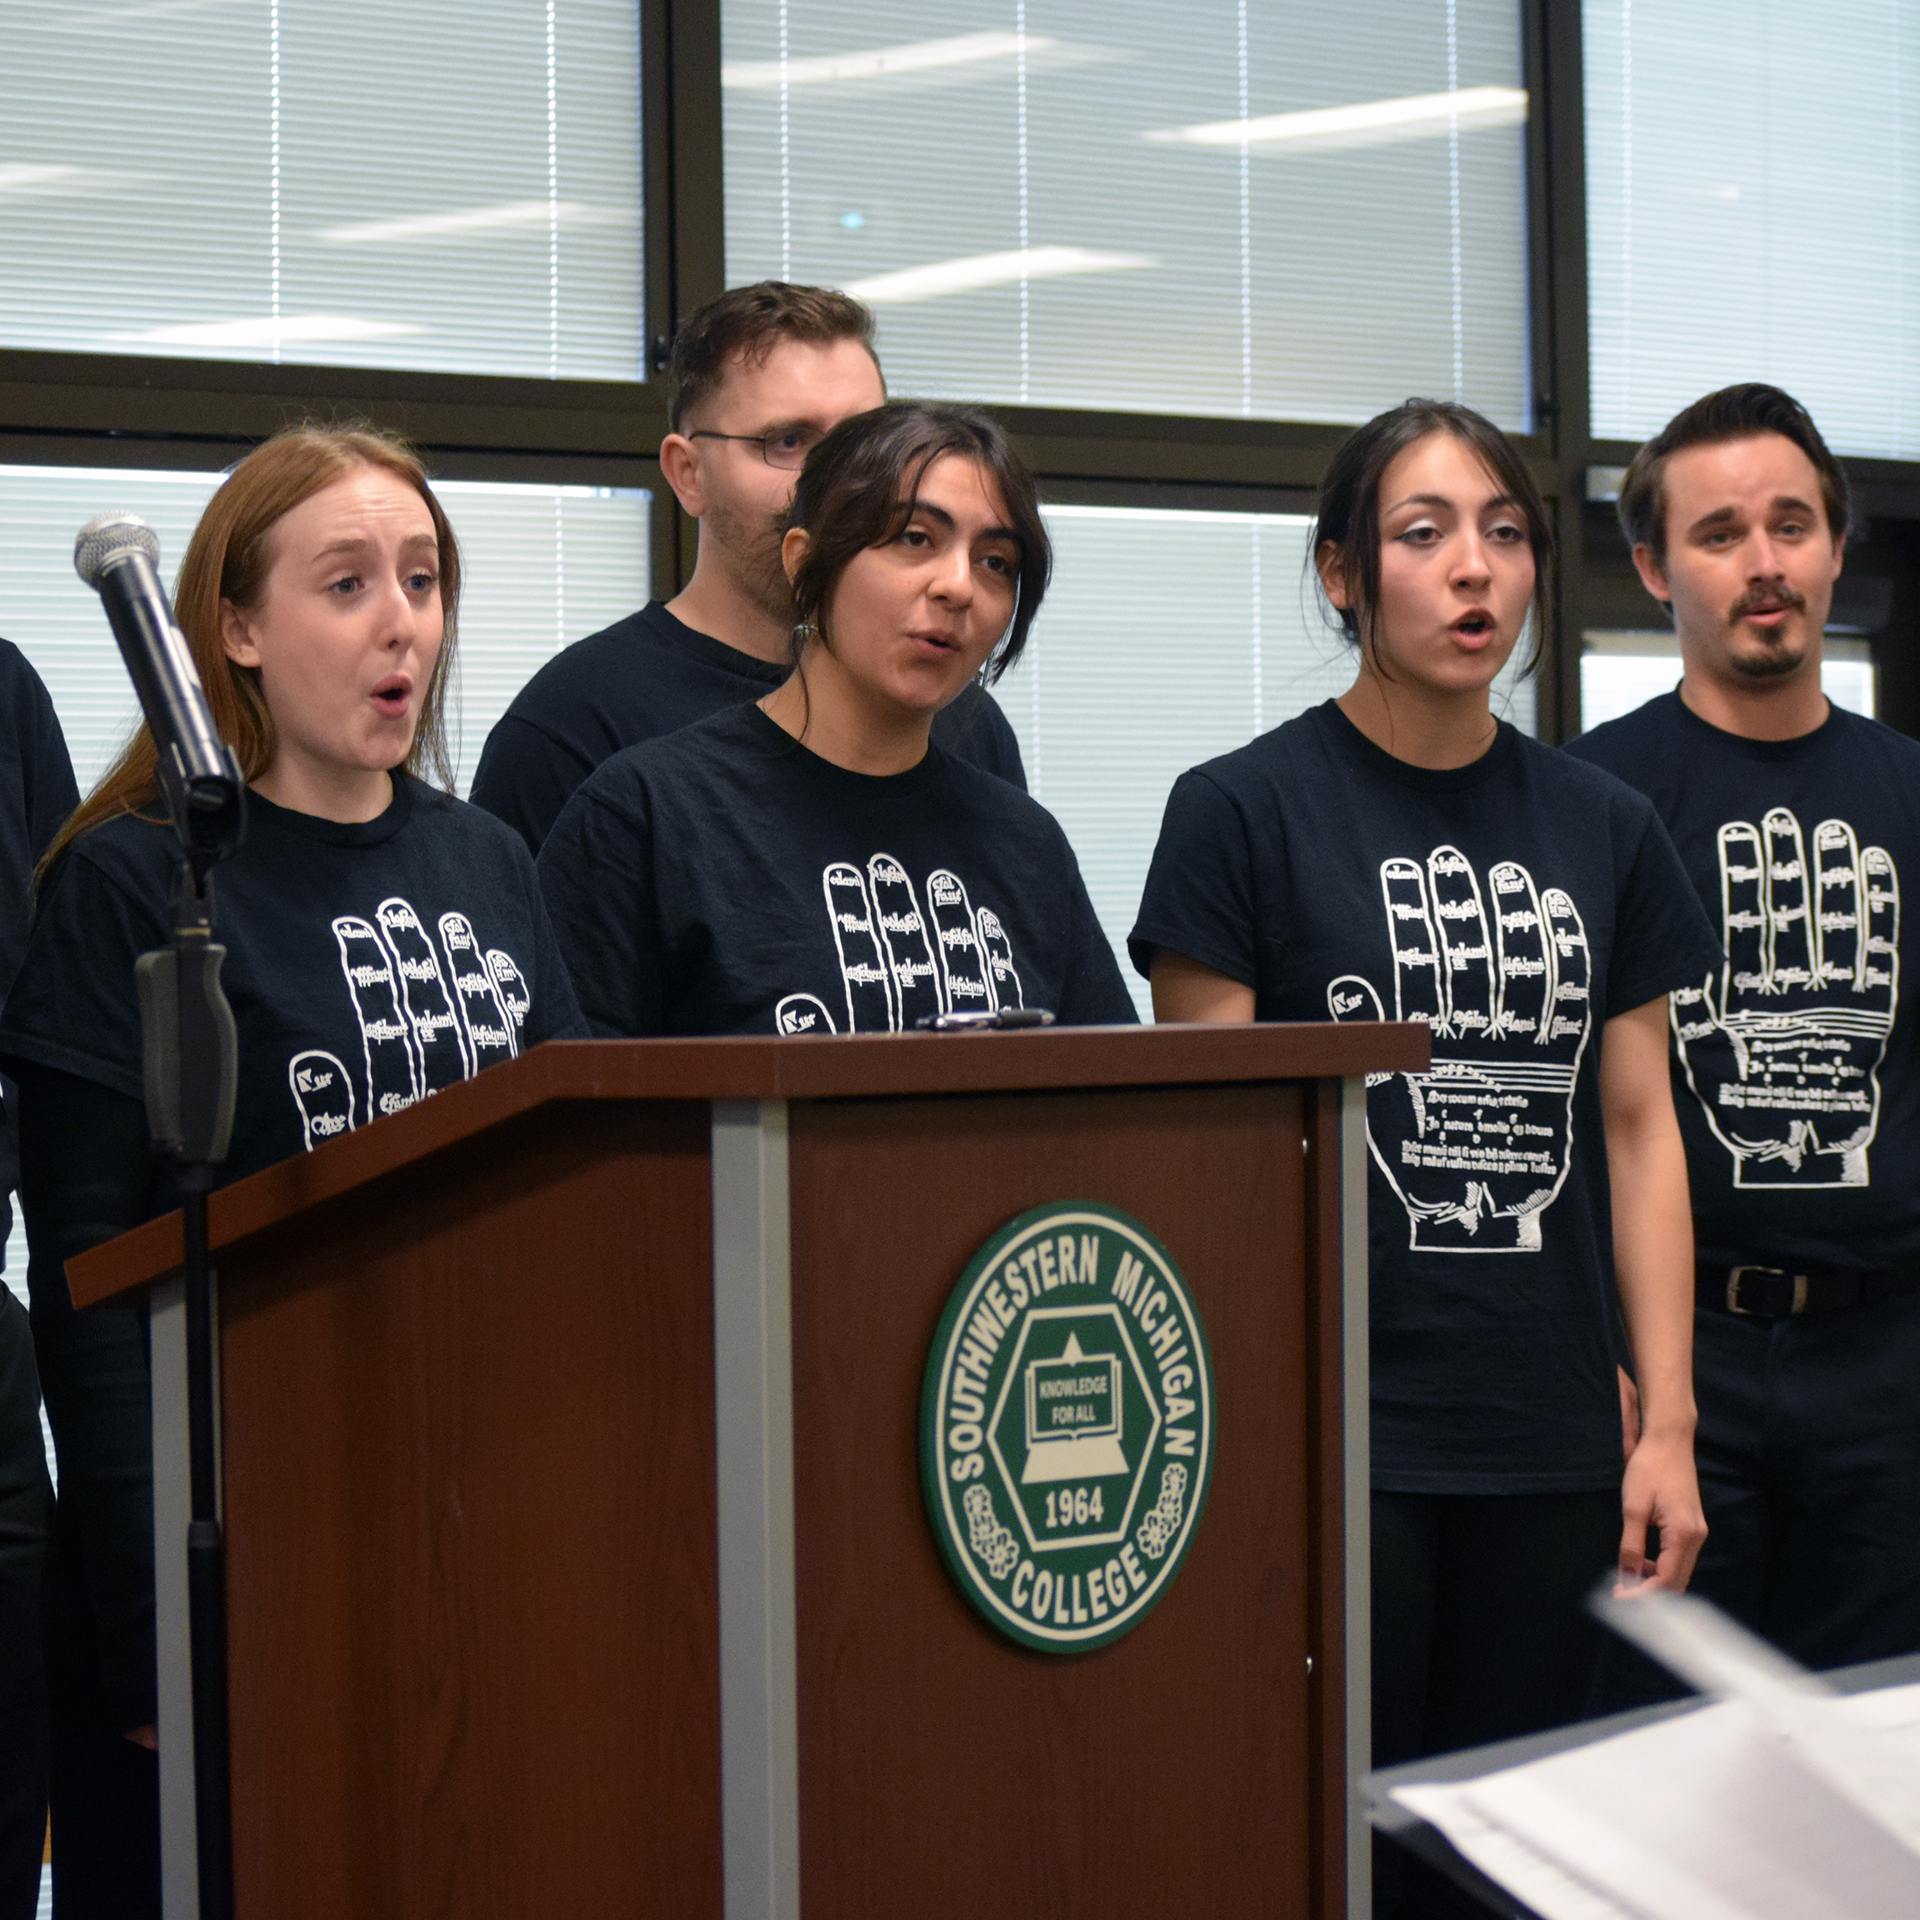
x,y
383,941
1796,1068
1399,853
36,795
756,379
815,862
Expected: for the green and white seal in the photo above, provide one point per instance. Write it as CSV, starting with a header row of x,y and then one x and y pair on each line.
x,y
1066,1426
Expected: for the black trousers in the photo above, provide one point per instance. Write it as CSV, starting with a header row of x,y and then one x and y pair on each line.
x,y
98,1622
1479,1633
24,1501
105,1789
1809,1457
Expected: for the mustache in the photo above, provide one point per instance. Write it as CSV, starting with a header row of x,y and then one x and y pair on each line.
x,y
1772,597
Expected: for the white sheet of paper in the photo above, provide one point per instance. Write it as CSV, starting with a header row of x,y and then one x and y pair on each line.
x,y
1714,1815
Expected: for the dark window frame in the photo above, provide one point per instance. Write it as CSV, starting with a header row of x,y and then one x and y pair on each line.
x,y
113,410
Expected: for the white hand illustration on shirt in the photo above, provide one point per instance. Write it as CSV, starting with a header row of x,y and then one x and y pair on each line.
x,y
1783,1052
898,965
1477,1147
428,1017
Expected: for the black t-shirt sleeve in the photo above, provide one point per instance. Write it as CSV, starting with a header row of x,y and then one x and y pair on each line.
x,y
74,1005
1096,994
555,1013
526,777
597,873
1662,937
87,1174
974,729
50,792
37,807
1199,897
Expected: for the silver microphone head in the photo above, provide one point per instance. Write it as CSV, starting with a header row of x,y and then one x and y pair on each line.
x,y
105,538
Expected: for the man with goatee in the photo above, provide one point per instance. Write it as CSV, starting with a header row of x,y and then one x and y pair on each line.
x,y
1795,1068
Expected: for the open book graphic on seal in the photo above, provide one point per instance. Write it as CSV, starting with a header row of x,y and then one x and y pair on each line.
x,y
1073,1417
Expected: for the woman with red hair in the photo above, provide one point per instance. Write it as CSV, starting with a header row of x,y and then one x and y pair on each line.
x,y
383,941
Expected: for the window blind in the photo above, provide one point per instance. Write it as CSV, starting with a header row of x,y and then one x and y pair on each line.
x,y
543,565
379,183
1167,638
1279,210
1753,211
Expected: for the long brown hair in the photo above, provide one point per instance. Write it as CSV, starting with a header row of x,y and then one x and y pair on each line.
x,y
229,558
1349,518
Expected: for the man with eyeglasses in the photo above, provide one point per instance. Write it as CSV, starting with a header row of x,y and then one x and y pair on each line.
x,y
755,379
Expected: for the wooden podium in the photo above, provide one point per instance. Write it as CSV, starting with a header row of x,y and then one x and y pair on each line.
x,y
578,1564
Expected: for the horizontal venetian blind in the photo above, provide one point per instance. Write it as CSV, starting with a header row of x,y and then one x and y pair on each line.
x,y
1165,639
1281,210
376,183
1753,211
543,565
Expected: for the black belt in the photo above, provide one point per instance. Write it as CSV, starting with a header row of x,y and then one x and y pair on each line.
x,y
1777,1293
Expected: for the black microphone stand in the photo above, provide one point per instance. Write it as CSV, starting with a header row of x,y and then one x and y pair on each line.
x,y
191,1073
192,1059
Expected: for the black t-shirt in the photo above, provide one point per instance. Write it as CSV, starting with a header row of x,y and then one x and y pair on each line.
x,y
368,964
727,880
1516,904
652,674
37,794
1797,1070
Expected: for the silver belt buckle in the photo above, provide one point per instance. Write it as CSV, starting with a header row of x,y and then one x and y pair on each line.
x,y
1734,1277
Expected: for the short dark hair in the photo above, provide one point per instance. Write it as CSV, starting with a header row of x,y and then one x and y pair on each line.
x,y
1734,413
857,489
749,322
1349,517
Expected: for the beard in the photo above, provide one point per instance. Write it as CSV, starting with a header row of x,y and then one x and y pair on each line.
x,y
749,544
1785,652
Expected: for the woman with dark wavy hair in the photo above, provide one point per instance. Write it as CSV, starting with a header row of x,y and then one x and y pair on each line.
x,y
814,863
383,941
1402,853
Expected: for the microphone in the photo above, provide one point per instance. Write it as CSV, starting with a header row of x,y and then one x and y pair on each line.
x,y
117,555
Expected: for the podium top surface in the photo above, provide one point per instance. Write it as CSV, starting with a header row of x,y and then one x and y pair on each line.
x,y
824,1067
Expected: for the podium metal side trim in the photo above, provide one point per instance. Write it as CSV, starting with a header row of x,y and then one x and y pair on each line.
x,y
172,1509
1359,1502
753,1407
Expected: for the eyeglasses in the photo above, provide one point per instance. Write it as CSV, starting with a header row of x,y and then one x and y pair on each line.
x,y
785,447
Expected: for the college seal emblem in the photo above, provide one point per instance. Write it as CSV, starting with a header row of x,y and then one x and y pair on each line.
x,y
1066,1427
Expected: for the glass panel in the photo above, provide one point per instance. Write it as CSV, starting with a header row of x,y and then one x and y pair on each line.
x,y
1167,638
543,565
1751,167
379,183
1283,210
1622,671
